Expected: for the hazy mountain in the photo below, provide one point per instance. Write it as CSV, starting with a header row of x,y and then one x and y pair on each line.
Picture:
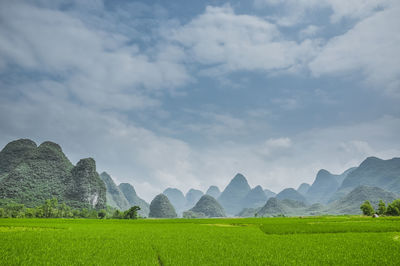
x,y
255,198
133,199
288,207
115,198
209,207
269,193
350,204
192,197
324,186
273,207
214,192
176,198
303,188
161,207
292,194
31,174
232,197
375,172
340,178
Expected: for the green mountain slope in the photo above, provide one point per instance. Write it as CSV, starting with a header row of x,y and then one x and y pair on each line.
x,y
134,200
350,204
375,172
161,207
292,194
31,174
115,198
209,207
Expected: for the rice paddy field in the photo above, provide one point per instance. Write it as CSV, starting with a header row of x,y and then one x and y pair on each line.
x,y
256,241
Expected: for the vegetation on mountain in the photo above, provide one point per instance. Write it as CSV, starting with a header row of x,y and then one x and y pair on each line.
x,y
209,207
375,172
161,207
350,204
115,198
292,194
29,175
133,199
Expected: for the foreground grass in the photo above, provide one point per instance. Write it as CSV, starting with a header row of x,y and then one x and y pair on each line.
x,y
255,241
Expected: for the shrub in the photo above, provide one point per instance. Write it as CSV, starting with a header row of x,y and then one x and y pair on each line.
x,y
367,208
381,207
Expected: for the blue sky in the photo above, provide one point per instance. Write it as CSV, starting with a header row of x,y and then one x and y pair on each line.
x,y
187,93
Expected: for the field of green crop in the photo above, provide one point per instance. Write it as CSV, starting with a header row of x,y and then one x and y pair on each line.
x,y
254,241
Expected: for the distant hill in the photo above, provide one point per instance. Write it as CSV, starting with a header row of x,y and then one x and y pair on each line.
x,y
207,206
31,174
273,207
377,173
134,200
255,198
324,186
350,204
176,198
115,198
213,191
287,207
303,188
161,207
192,197
292,194
232,197
269,193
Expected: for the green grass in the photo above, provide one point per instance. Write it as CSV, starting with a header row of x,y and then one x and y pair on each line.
x,y
253,241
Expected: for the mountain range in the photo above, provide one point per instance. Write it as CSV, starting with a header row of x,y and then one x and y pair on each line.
x,y
30,174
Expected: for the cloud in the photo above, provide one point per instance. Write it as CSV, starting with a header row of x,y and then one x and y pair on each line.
x,y
371,47
224,41
99,68
297,11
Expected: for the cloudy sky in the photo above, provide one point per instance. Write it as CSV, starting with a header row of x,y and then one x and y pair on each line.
x,y
187,93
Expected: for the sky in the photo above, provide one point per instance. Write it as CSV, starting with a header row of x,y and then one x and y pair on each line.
x,y
186,94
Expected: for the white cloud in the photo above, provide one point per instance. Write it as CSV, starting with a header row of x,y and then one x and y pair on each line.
x,y
295,11
309,31
225,41
372,47
93,64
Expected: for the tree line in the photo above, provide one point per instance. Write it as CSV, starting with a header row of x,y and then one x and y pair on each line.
x,y
392,209
52,209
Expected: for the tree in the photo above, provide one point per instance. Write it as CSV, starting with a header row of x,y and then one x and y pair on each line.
x,y
394,208
15,210
1,212
102,214
367,208
132,213
117,214
381,207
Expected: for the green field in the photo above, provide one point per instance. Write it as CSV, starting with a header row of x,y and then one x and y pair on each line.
x,y
253,241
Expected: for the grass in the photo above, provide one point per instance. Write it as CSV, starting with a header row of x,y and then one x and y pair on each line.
x,y
253,241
